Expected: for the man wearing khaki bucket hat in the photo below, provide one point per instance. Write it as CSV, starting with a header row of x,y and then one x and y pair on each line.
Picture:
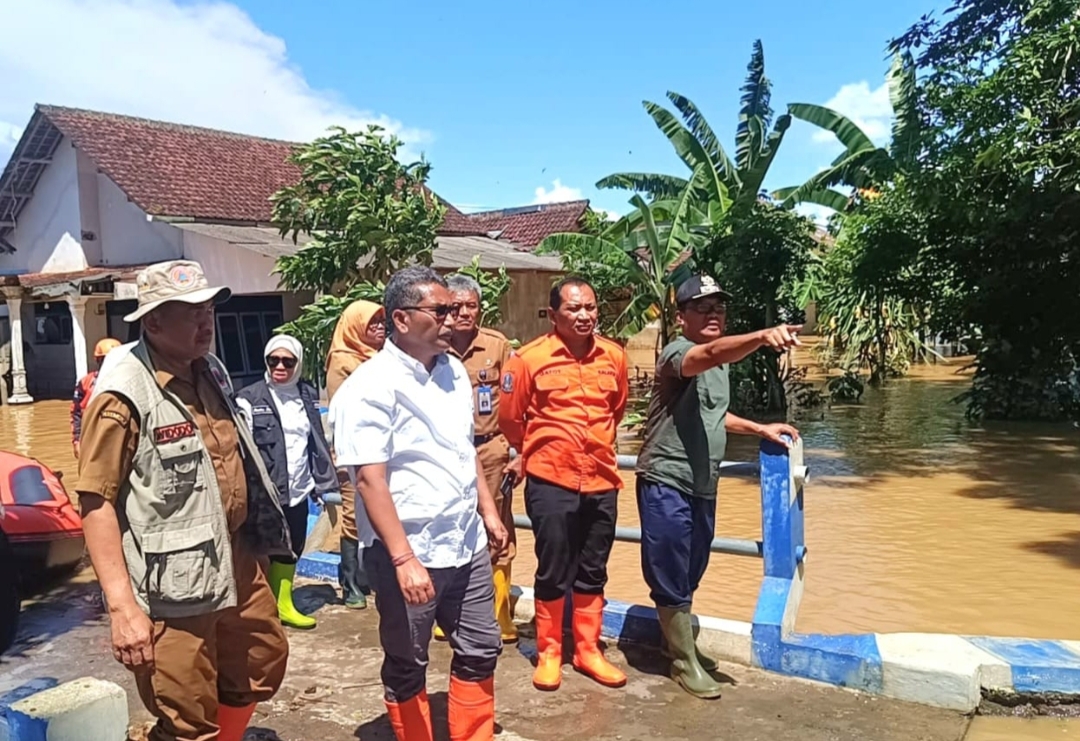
x,y
179,513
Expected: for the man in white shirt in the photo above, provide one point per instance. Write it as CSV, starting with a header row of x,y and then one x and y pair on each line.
x,y
403,427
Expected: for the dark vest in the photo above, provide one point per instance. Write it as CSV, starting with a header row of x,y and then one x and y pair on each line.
x,y
270,439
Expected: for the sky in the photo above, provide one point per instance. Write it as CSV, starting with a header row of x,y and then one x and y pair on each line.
x,y
512,103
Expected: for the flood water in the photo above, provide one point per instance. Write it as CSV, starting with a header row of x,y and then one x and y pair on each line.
x,y
1022,729
915,521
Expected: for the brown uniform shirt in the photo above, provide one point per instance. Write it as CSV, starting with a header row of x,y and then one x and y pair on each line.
x,y
484,360
110,437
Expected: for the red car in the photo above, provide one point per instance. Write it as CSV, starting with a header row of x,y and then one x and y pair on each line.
x,y
40,531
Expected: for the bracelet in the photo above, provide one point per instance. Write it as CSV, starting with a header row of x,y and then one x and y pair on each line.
x,y
403,558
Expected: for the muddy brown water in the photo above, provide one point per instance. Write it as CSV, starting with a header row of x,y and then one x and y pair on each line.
x,y
916,520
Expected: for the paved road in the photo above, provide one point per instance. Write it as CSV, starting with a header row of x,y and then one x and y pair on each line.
x,y
332,691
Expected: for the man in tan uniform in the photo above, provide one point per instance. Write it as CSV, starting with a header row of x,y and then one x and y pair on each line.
x,y
179,512
484,352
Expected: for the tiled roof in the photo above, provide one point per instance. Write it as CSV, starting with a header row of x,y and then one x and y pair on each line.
x,y
38,280
526,226
171,169
451,252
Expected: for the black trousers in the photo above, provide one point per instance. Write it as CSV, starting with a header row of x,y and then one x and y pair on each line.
x,y
464,607
573,534
296,518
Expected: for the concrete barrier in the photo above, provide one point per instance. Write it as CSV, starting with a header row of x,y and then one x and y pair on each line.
x,y
85,709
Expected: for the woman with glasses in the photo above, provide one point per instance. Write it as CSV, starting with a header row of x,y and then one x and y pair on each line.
x,y
283,413
359,334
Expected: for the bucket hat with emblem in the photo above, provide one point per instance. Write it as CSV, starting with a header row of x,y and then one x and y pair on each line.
x,y
176,280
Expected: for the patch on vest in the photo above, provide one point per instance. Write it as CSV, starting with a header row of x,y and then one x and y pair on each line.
x,y
173,432
262,409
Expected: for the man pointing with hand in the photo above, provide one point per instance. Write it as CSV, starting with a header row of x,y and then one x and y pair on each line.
x,y
679,465
403,426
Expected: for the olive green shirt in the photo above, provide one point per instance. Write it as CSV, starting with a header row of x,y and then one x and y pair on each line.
x,y
685,435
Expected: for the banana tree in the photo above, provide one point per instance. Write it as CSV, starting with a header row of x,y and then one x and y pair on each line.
x,y
723,184
647,252
863,165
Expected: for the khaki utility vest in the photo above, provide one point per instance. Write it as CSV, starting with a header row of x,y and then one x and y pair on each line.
x,y
174,533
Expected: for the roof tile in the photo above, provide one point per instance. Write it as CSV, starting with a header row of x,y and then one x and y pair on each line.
x,y
175,170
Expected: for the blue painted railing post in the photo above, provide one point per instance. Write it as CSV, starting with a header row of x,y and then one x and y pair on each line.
x,y
783,548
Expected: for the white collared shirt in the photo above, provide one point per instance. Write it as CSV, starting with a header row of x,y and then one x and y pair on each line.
x,y
391,410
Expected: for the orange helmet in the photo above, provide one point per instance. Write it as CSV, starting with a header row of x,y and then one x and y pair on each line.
x,y
102,348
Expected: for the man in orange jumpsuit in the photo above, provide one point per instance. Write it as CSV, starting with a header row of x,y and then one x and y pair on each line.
x,y
85,387
562,398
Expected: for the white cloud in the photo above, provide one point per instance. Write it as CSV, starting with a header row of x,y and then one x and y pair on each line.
x,y
206,64
557,194
869,109
819,214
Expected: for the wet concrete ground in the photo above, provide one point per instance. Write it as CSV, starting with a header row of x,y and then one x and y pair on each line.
x,y
333,693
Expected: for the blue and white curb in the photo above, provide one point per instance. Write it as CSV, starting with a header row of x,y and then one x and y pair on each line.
x,y
85,709
938,669
942,670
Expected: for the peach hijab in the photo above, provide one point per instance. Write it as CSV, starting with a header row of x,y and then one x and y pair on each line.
x,y
349,348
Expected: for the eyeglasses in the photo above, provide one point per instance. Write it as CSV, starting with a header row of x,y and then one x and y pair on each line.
x,y
706,309
439,312
273,361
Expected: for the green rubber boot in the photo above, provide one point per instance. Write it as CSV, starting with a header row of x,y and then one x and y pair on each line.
x,y
281,579
708,663
686,670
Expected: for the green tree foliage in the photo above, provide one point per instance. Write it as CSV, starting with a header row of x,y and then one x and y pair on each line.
x,y
862,166
360,215
874,289
999,184
862,284
719,182
364,213
759,255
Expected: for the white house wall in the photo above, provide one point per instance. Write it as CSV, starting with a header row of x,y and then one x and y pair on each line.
x,y
47,237
242,270
127,236
89,208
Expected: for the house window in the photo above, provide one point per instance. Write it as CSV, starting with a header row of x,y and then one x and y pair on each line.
x,y
244,325
52,324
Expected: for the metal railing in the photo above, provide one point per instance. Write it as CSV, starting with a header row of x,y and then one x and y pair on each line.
x,y
782,549
729,546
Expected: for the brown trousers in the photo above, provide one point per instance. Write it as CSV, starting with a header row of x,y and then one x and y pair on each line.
x,y
494,455
348,504
236,657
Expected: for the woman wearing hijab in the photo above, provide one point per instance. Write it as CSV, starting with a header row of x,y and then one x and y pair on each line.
x,y
283,412
359,334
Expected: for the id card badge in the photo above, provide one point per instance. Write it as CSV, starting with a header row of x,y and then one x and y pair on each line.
x,y
483,399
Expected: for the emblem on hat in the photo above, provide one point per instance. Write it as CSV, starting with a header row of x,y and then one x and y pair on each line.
x,y
181,276
708,284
